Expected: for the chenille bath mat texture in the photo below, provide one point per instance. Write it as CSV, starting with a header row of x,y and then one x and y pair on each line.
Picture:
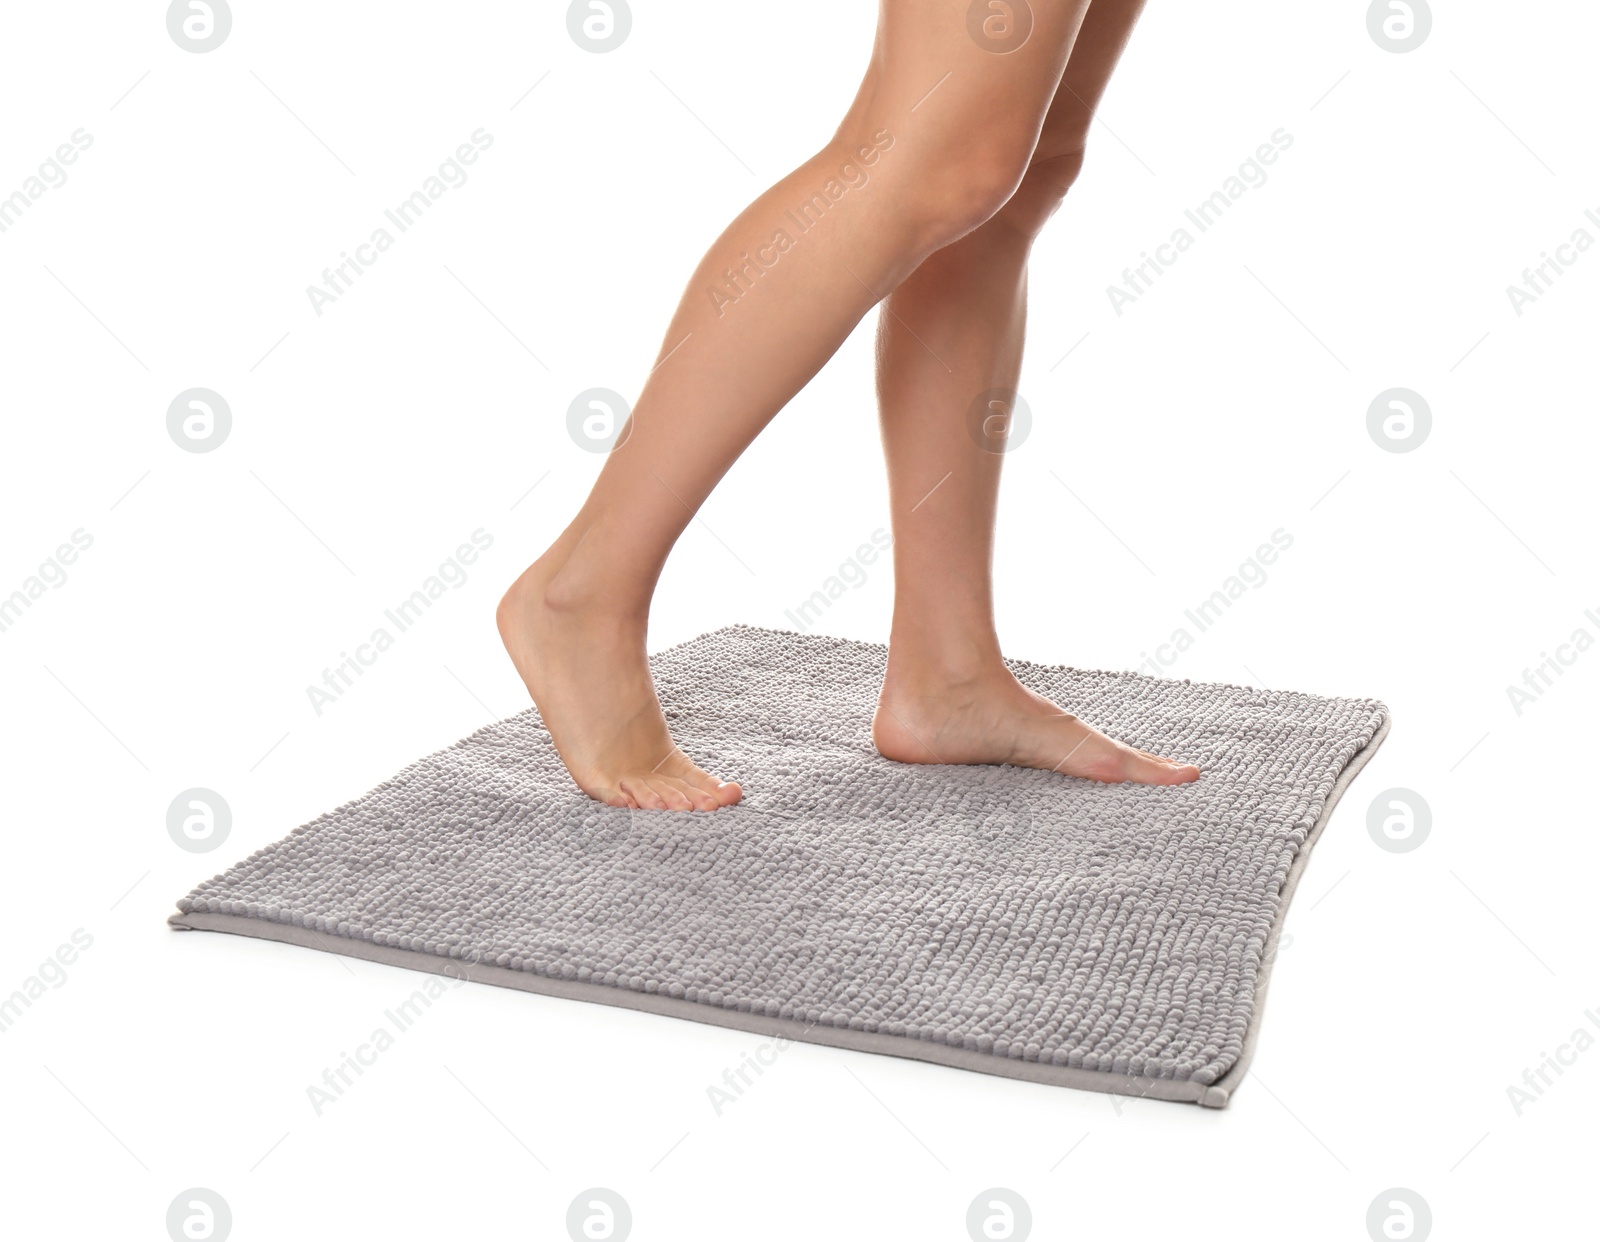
x,y
1012,921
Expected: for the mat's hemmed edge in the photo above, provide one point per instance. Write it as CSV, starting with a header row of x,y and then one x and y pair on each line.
x,y
694,1011
1216,1095
1224,1087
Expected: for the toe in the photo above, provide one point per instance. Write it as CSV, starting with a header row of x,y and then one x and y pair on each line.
x,y
701,800
672,793
1147,769
1174,771
721,793
644,796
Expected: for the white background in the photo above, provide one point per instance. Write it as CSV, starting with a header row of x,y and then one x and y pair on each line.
x,y
369,442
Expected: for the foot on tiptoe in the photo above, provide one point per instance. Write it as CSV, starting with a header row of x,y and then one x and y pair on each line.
x,y
587,671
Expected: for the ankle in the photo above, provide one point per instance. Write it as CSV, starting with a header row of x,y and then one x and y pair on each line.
x,y
577,590
944,660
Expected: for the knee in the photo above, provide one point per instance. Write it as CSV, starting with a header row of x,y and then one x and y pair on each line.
x,y
1042,189
1010,183
949,193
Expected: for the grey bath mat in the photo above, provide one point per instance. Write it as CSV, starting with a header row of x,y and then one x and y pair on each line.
x,y
1108,937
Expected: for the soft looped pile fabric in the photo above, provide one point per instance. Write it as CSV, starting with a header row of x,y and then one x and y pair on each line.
x,y
1005,919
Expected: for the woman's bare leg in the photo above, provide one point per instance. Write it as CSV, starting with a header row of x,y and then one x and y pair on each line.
x,y
948,335
938,138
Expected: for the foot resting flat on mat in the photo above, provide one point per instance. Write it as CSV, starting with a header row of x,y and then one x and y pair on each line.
x,y
1007,920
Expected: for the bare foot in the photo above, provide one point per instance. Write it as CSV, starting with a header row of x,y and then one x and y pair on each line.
x,y
996,719
589,676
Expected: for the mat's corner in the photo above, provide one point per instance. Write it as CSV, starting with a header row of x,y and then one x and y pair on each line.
x,y
179,921
1215,1097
